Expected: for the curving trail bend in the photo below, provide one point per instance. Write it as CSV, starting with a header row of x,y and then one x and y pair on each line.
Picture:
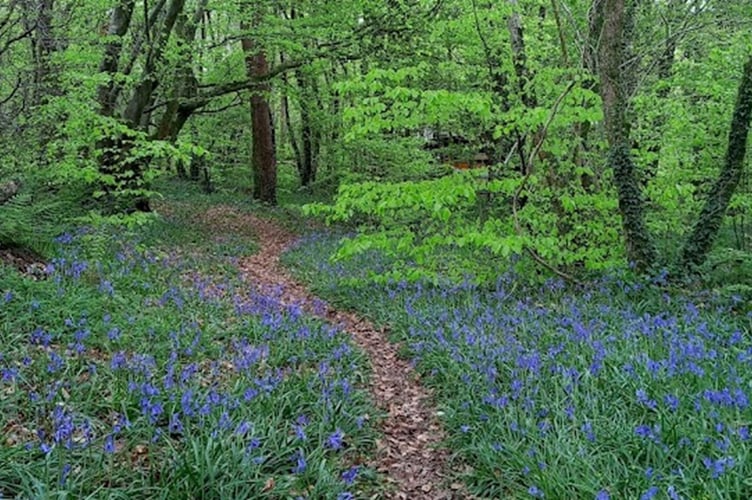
x,y
409,455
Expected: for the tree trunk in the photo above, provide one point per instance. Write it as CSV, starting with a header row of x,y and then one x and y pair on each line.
x,y
519,57
185,84
309,139
44,46
589,63
116,160
143,94
591,48
263,161
335,126
524,77
616,77
708,224
120,21
291,131
306,151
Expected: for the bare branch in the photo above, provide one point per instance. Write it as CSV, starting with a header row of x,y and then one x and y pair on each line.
x,y
12,92
17,38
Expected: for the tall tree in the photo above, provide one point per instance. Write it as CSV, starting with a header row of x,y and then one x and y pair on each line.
x,y
709,222
184,86
117,162
44,43
263,158
309,133
117,27
617,75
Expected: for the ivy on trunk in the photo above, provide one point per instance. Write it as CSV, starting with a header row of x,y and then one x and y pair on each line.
x,y
616,75
709,222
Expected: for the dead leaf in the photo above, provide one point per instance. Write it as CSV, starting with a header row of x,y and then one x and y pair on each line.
x,y
269,485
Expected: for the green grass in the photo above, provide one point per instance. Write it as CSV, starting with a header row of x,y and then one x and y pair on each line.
x,y
621,389
132,372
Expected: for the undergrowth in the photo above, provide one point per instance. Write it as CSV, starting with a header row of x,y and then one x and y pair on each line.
x,y
127,372
619,389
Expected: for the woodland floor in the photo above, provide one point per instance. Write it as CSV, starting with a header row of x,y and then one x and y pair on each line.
x,y
409,455
25,261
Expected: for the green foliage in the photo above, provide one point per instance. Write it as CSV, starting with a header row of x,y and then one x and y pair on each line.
x,y
390,159
394,100
462,224
27,223
686,155
40,210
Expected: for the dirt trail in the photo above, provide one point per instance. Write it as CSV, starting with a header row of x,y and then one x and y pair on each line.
x,y
409,455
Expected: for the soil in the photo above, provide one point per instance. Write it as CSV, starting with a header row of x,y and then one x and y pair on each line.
x,y
26,261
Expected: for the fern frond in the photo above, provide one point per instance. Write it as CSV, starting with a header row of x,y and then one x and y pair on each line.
x,y
29,221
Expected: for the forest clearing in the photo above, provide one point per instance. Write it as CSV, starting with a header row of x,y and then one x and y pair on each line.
x,y
348,249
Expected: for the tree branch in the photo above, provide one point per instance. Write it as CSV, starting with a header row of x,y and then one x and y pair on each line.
x,y
12,92
516,198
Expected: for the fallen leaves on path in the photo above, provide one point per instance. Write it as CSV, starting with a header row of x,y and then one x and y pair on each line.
x,y
409,455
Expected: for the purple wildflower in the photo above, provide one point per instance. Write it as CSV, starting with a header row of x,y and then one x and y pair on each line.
x,y
300,463
175,425
64,471
350,475
650,493
718,467
334,441
536,492
109,445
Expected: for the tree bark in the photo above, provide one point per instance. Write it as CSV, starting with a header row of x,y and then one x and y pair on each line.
x,y
289,127
44,46
185,86
116,160
524,77
519,57
120,21
263,161
143,94
708,224
589,62
616,36
308,134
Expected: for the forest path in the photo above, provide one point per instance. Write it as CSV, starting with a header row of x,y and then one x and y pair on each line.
x,y
409,455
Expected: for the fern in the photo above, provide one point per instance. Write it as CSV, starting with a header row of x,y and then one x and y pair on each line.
x,y
31,218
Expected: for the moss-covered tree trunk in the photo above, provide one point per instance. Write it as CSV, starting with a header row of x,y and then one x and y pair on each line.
x,y
708,224
616,74
116,161
184,87
120,21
